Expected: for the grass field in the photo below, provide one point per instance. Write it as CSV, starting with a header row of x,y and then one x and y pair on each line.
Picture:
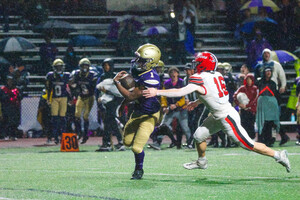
x,y
47,173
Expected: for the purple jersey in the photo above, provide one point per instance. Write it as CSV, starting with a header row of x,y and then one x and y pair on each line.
x,y
86,84
57,83
148,79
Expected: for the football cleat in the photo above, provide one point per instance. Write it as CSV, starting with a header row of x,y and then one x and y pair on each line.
x,y
56,141
198,164
284,139
172,145
284,160
155,146
137,174
105,148
84,140
120,147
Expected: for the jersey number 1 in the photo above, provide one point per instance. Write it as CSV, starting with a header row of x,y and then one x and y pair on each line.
x,y
220,83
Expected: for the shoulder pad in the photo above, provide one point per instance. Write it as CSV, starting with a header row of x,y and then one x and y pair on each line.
x,y
196,80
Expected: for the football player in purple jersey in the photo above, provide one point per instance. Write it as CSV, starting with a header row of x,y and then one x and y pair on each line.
x,y
56,84
84,81
146,111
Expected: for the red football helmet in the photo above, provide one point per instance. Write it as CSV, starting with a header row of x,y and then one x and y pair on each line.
x,y
205,61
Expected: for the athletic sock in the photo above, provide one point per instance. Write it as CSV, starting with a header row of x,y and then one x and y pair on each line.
x,y
139,160
202,158
276,155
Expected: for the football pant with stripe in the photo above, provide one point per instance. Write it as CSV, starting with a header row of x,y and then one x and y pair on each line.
x,y
230,125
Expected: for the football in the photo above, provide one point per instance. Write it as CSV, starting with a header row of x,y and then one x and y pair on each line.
x,y
128,82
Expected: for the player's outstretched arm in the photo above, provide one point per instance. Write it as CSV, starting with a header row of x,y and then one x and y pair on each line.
x,y
151,92
193,104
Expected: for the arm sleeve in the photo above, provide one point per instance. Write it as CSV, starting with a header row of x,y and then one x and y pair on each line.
x,y
181,102
163,101
281,74
179,92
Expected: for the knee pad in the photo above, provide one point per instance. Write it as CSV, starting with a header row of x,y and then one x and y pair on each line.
x,y
201,134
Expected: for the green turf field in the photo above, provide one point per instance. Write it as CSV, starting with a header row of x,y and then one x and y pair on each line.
x,y
46,173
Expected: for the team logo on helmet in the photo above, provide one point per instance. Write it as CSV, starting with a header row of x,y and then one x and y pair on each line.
x,y
148,56
205,61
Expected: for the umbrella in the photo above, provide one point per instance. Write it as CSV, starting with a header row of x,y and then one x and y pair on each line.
x,y
15,44
155,30
283,56
85,41
254,6
56,27
3,61
262,22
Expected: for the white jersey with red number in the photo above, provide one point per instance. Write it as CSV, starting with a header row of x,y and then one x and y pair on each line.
x,y
216,95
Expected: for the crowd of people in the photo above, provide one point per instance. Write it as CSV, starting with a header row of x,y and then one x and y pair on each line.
x,y
68,94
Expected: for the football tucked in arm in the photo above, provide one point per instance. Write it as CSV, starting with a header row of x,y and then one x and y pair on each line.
x,y
127,82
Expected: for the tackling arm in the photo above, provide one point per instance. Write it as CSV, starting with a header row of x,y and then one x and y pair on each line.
x,y
151,92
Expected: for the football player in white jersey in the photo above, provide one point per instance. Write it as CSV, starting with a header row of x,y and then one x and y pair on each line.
x,y
212,92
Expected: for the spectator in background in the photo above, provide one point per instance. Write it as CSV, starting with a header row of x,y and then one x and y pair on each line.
x,y
174,107
267,115
190,15
10,113
244,70
255,48
278,74
178,38
21,77
44,116
70,59
48,52
244,29
6,70
161,129
108,106
245,98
